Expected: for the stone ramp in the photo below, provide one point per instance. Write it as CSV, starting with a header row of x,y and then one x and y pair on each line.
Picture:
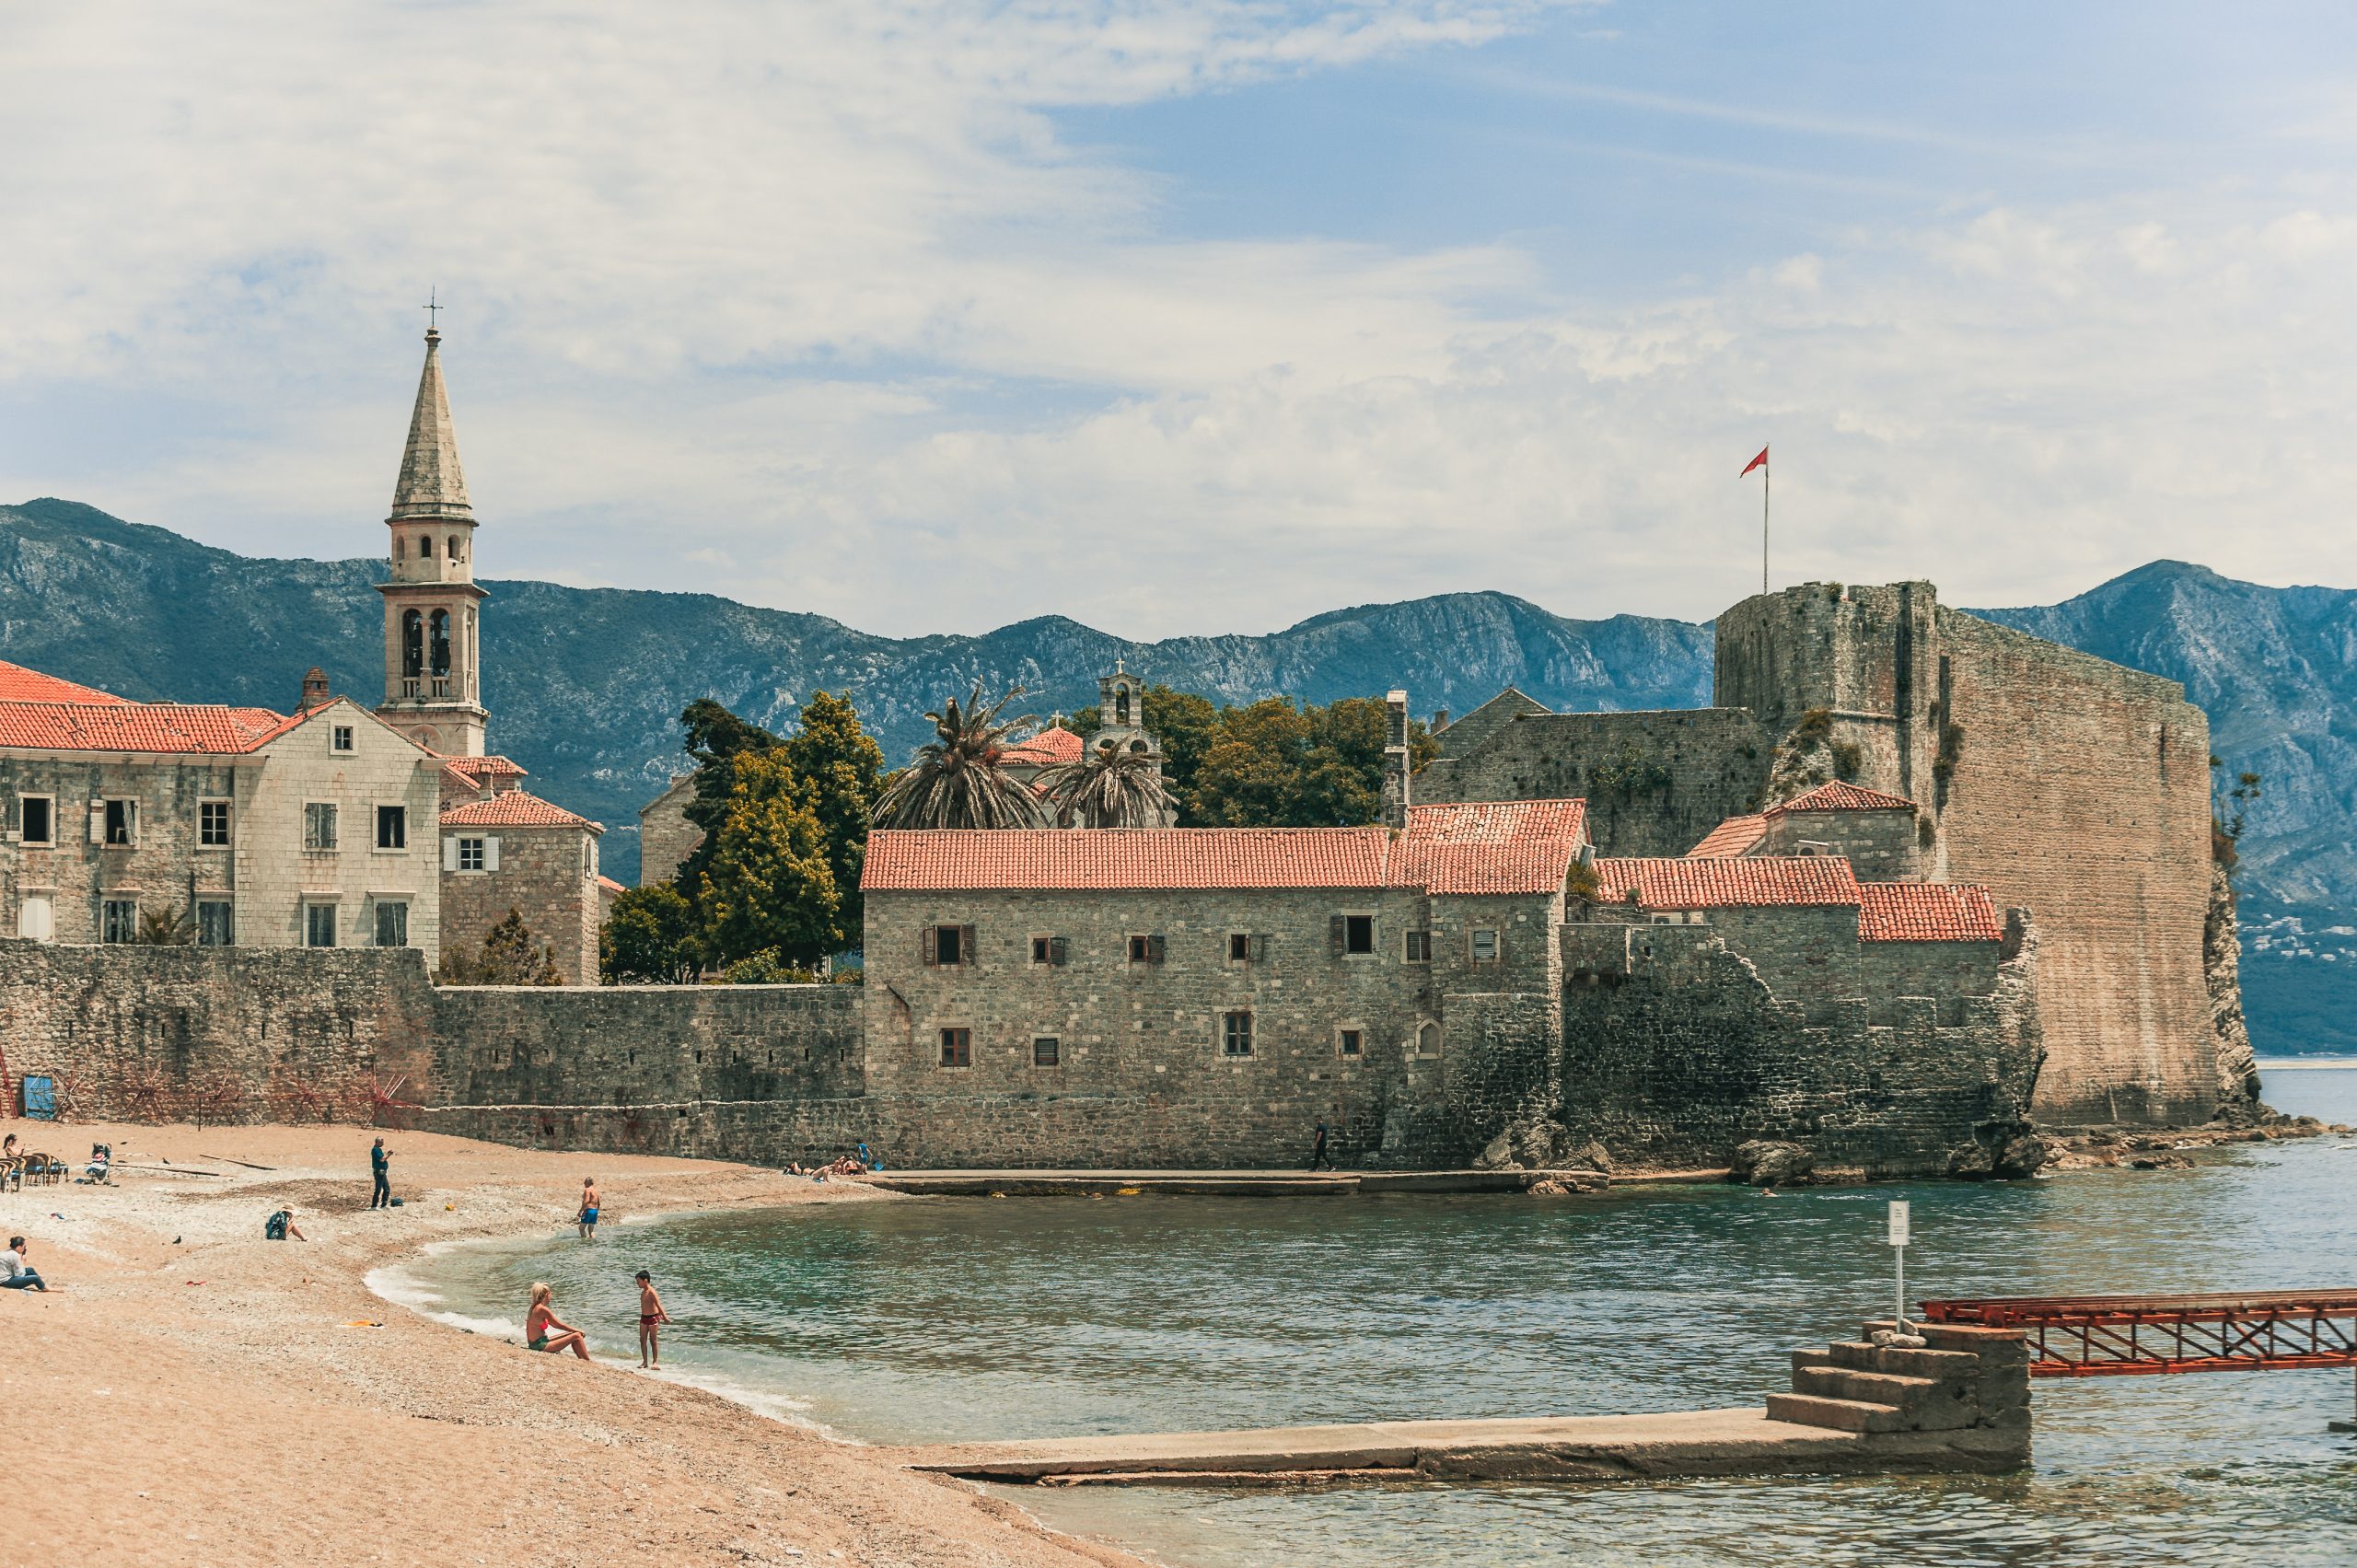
x,y
1954,1399
1595,1448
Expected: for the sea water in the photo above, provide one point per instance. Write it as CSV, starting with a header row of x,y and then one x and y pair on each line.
x,y
982,1319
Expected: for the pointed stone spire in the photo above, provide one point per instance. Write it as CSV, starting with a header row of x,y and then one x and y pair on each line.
x,y
431,483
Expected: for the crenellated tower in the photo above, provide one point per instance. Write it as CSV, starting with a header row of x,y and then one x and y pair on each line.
x,y
432,664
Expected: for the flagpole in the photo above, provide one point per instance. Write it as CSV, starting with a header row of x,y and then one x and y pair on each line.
x,y
1766,469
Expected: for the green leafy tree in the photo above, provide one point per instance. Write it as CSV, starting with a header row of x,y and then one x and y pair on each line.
x,y
767,883
652,938
844,767
956,779
715,738
1251,774
508,957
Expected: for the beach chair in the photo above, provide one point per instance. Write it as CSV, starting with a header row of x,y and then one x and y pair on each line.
x,y
41,1167
12,1174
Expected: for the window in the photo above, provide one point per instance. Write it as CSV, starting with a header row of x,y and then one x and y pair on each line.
x,y
1239,947
340,737
392,923
318,925
589,860
1419,946
120,824
35,918
425,547
1428,1039
1358,934
319,824
119,920
945,945
1050,949
393,827
1146,949
1236,1034
213,924
38,819
1353,1042
212,824
1046,1052
469,855
1485,947
956,1048
439,640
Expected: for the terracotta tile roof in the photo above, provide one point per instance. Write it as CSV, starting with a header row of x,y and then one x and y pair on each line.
x,y
514,808
1506,846
1116,858
608,885
1750,881
18,684
117,726
1839,796
1051,746
485,767
1926,912
1731,837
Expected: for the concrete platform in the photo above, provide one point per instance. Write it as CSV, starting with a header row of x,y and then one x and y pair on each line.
x,y
1601,1447
1220,1183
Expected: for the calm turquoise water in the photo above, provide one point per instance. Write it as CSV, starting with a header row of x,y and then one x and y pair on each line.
x,y
980,1319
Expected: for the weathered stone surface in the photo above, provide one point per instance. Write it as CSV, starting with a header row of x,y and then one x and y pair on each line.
x,y
1765,1162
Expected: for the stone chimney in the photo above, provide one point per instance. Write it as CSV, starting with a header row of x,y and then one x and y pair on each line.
x,y
1395,759
315,690
1440,720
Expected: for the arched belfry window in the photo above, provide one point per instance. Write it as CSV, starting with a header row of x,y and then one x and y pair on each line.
x,y
401,547
441,642
1121,705
451,548
412,644
424,546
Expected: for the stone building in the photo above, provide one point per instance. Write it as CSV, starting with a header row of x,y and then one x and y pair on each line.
x,y
433,649
214,825
666,837
2067,784
514,851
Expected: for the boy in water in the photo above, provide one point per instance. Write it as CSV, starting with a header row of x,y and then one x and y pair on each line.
x,y
587,1218
650,1316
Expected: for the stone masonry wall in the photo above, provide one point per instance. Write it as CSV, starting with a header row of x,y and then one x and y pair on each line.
x,y
666,837
543,875
1881,846
225,1034
1654,782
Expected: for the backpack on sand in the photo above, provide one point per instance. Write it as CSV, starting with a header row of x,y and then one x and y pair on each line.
x,y
274,1227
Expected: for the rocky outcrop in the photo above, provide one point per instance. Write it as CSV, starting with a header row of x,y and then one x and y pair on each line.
x,y
2222,963
1770,1162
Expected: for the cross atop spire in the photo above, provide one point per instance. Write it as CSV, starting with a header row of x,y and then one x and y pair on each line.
x,y
432,320
431,483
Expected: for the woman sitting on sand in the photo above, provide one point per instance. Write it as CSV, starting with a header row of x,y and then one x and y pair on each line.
x,y
543,1329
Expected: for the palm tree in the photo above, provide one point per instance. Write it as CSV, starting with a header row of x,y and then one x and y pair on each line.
x,y
1110,786
956,781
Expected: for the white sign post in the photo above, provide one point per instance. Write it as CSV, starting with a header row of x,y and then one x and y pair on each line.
x,y
1899,1256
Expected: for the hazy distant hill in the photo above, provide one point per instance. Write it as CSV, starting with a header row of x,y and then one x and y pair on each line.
x,y
584,686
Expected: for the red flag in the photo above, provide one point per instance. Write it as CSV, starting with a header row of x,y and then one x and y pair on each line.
x,y
1759,462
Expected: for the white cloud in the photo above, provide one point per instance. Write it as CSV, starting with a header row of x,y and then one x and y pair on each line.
x,y
813,304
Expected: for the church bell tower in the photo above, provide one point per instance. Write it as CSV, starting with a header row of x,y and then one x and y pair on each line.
x,y
432,668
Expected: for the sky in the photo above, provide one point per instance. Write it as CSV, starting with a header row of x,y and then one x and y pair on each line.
x,y
1199,315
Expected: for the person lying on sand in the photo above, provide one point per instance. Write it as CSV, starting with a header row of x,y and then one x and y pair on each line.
x,y
543,1329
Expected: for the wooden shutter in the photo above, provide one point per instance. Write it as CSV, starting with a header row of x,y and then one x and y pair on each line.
x,y
1260,946
450,855
491,855
965,944
1058,949
98,821
1154,949
1337,929
928,946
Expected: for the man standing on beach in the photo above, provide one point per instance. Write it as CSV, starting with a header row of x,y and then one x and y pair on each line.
x,y
378,1158
587,1218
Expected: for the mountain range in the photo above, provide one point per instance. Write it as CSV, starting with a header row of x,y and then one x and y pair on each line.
x,y
585,685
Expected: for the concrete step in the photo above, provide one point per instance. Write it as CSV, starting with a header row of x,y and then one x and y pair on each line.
x,y
1905,1363
1869,1388
1842,1415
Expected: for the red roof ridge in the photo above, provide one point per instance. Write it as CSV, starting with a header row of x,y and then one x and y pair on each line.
x,y
1731,837
1838,795
1927,911
515,808
1729,881
22,683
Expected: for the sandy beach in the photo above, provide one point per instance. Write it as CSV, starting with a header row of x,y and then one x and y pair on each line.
x,y
196,1395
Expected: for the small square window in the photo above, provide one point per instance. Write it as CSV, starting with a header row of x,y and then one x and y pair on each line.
x,y
212,824
341,735
122,824
319,825
956,1048
1419,946
1353,1042
1428,1039
470,855
1239,947
1358,934
1485,947
1146,949
393,924
1236,1034
392,828
214,928
1043,949
1046,1052
318,925
38,819
949,945
119,920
